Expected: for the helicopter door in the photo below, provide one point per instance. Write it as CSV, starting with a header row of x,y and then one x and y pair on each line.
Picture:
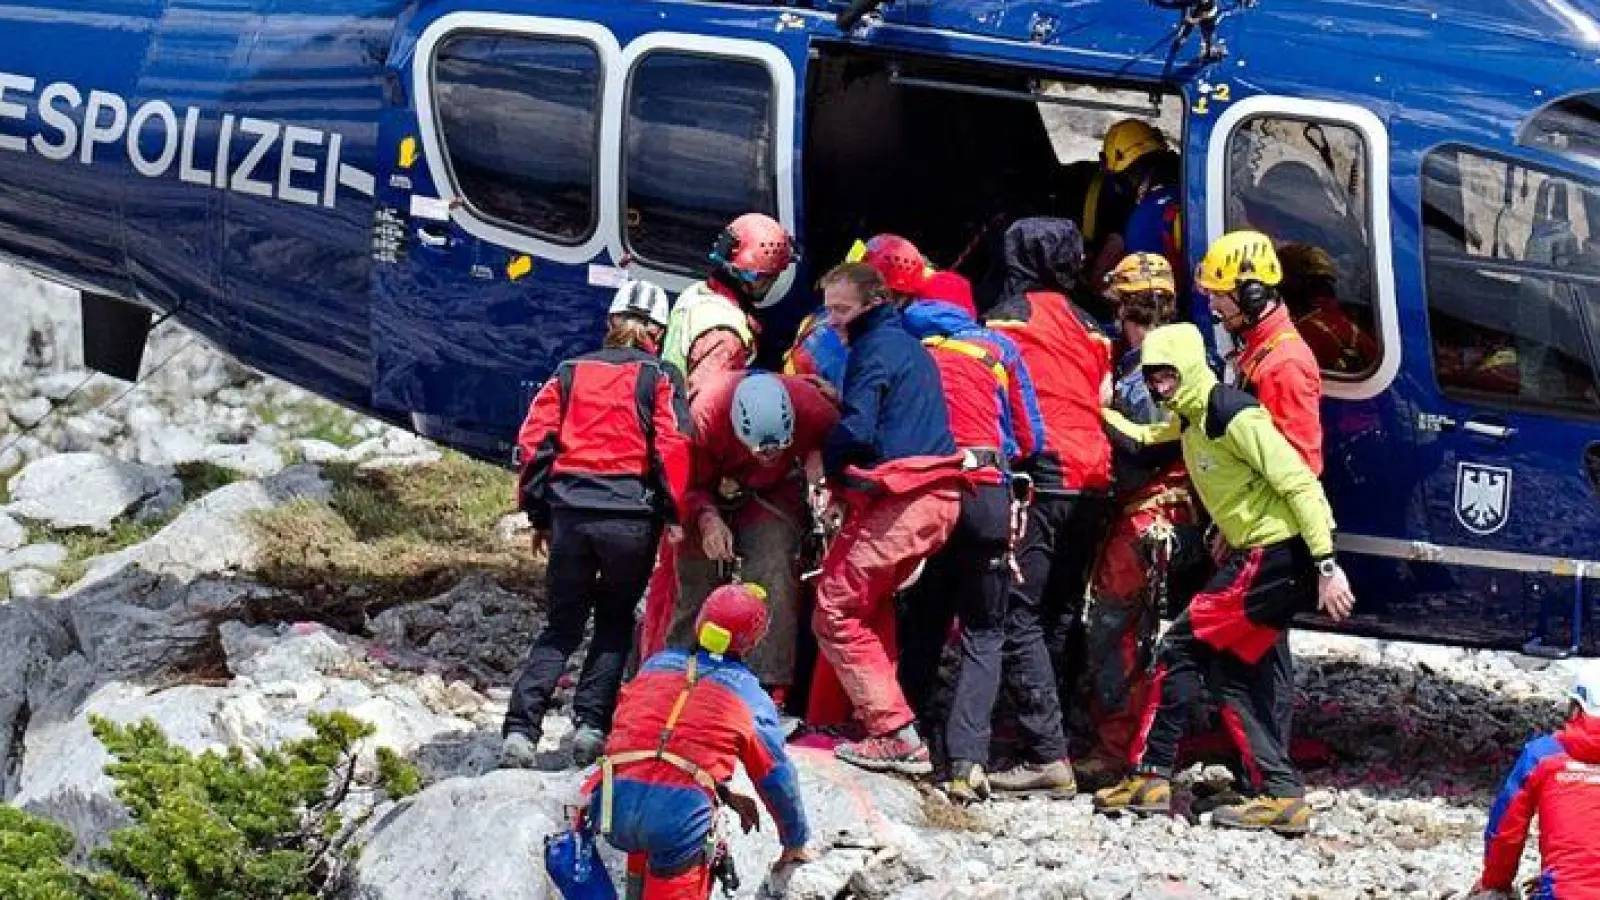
x,y
532,150
1313,176
1513,284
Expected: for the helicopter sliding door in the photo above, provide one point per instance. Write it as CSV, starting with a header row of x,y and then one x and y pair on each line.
x,y
534,155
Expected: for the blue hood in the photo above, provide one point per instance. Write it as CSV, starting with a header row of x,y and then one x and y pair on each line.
x,y
935,318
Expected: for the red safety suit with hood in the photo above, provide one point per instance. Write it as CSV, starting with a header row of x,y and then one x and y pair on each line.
x,y
1556,778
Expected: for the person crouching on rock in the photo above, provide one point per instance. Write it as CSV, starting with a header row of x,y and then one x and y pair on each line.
x,y
1279,529
682,726
605,453
1557,778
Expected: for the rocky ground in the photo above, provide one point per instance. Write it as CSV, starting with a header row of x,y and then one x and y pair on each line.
x,y
225,554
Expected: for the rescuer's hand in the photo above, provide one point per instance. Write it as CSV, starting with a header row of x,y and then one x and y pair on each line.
x,y
749,812
1219,547
539,542
1334,596
715,538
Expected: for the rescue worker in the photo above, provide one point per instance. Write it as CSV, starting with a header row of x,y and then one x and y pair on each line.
x,y
1136,152
1310,290
1153,532
606,464
819,349
892,463
995,420
1557,778
1069,360
1239,276
1281,562
756,436
713,330
713,327
683,725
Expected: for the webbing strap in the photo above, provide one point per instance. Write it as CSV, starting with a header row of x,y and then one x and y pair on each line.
x,y
609,764
966,348
1247,369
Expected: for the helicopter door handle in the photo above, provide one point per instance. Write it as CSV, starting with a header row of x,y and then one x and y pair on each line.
x,y
1488,429
432,237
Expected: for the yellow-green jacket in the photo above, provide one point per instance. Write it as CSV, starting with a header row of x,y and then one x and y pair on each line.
x,y
1255,486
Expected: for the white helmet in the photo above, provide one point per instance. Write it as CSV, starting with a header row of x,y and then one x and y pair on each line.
x,y
645,299
1586,689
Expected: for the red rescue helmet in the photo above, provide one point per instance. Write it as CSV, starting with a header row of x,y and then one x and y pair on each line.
x,y
951,288
898,261
733,619
754,246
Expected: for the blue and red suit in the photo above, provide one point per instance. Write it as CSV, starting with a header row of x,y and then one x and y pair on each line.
x,y
1558,778
660,814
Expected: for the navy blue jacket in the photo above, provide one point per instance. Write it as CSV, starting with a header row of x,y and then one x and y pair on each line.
x,y
893,401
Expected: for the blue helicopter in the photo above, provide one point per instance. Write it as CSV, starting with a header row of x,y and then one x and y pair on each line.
x,y
417,208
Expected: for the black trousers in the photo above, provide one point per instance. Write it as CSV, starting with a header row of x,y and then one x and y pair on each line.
x,y
599,564
1062,537
1227,642
965,579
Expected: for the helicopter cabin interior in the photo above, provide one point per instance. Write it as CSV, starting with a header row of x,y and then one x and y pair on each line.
x,y
949,153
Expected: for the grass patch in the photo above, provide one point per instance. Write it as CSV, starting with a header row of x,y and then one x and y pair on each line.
x,y
83,546
399,533
316,421
201,478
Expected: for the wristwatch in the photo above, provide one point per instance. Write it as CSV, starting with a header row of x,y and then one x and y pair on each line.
x,y
1327,567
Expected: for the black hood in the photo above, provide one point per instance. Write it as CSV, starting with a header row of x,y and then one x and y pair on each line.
x,y
1043,254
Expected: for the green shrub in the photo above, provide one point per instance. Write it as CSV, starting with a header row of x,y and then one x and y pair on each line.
x,y
213,826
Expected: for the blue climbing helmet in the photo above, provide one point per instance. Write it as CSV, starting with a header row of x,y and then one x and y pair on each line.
x,y
763,416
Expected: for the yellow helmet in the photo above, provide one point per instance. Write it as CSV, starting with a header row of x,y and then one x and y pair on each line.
x,y
1139,273
1129,140
1240,256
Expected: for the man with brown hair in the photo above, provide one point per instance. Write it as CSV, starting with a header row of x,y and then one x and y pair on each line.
x,y
893,464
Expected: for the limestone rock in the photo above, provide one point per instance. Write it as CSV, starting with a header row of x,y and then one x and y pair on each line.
x,y
28,413
84,490
213,534
12,535
30,583
34,556
250,460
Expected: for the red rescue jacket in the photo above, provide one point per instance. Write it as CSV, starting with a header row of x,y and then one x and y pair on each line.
x,y
1069,358
1557,777
607,432
1277,366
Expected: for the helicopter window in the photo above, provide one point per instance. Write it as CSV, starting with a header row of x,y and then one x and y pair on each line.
x,y
698,150
519,116
1513,281
1305,184
1569,127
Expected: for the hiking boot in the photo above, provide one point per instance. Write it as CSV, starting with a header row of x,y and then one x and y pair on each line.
x,y
1142,793
968,783
1097,773
887,754
588,742
1284,815
1053,778
519,751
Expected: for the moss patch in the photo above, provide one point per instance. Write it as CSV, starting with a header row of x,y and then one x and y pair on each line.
x,y
314,420
201,478
83,546
400,534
